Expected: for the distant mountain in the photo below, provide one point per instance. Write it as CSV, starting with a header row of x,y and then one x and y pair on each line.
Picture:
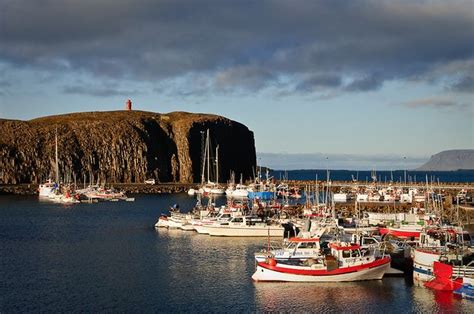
x,y
450,160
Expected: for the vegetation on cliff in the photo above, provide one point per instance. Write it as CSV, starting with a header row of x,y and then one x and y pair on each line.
x,y
122,146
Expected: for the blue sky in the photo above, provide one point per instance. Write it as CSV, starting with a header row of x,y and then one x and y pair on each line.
x,y
368,81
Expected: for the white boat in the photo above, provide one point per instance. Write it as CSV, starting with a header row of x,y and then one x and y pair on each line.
x,y
245,226
347,262
241,191
47,188
340,197
200,225
162,222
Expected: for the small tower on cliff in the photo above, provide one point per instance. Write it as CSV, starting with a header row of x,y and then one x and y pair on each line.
x,y
128,105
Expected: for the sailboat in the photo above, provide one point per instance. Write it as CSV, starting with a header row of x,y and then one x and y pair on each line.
x,y
207,186
52,190
48,188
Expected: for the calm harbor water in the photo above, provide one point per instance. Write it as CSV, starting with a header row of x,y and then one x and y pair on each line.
x,y
109,257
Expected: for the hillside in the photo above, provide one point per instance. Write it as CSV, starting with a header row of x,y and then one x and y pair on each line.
x,y
122,146
450,160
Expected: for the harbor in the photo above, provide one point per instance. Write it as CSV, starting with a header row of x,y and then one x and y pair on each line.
x,y
236,156
164,270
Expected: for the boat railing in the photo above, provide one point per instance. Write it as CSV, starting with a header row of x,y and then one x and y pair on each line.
x,y
272,246
463,271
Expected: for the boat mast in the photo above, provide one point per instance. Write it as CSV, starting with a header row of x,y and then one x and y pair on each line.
x,y
208,155
56,153
204,160
217,164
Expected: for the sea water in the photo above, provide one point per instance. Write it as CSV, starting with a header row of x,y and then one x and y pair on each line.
x,y
109,257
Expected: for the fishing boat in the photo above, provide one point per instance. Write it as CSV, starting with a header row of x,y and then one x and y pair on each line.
x,y
449,245
346,262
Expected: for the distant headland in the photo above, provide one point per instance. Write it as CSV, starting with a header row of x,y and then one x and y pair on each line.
x,y
450,160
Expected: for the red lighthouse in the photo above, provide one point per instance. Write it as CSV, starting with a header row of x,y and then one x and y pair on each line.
x,y
128,105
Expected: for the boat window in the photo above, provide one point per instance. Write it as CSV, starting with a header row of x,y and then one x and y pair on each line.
x,y
238,220
466,237
369,241
346,254
355,253
307,245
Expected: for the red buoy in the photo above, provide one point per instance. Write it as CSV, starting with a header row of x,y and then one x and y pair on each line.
x,y
272,262
128,105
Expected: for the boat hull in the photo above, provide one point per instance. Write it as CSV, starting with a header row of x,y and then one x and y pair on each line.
x,y
402,233
372,271
243,231
423,269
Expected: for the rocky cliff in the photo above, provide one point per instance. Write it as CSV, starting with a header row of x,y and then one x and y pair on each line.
x,y
450,160
122,146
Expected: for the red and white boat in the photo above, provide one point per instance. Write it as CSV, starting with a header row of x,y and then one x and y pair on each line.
x,y
449,245
347,262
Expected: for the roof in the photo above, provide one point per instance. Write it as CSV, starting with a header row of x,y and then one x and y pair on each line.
x,y
340,246
296,239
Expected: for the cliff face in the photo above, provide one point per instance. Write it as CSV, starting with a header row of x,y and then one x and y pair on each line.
x,y
122,146
450,160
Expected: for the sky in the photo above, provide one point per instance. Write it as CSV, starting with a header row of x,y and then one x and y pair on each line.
x,y
374,84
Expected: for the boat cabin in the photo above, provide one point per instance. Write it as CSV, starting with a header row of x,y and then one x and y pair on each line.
x,y
303,246
350,254
439,237
245,220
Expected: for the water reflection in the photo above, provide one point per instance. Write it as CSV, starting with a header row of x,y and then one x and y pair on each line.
x,y
427,300
320,297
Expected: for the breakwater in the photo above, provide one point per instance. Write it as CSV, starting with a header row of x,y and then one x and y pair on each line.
x,y
141,188
130,188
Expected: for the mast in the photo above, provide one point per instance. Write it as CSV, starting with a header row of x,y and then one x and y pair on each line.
x,y
56,153
217,164
204,160
208,155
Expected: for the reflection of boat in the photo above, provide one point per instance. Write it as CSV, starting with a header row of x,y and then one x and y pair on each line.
x,y
347,262
324,297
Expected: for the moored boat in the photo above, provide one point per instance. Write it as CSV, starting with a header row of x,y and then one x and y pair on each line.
x,y
347,262
448,245
245,226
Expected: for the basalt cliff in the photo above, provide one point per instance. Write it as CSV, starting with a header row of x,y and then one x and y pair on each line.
x,y
123,146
